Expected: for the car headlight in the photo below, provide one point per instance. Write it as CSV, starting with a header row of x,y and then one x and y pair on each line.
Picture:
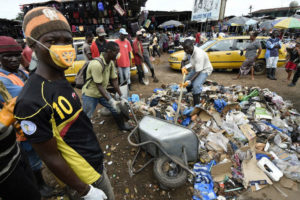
x,y
173,58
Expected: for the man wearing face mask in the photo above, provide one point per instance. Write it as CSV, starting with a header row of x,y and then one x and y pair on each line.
x,y
98,46
200,66
50,112
123,61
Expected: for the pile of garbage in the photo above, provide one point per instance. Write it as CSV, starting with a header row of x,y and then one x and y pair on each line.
x,y
249,137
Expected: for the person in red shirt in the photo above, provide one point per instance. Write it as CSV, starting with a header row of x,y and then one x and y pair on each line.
x,y
138,55
98,46
198,38
123,61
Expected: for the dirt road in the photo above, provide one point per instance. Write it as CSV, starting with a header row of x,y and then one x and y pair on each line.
x,y
143,186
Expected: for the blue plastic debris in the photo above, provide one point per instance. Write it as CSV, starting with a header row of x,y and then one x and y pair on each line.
x,y
204,184
219,104
188,111
134,98
157,89
186,121
169,118
260,156
174,106
275,127
174,88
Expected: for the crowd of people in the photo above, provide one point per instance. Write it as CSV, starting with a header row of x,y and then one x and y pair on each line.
x,y
42,118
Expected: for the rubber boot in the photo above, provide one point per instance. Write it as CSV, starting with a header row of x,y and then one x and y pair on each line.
x,y
45,190
123,126
273,71
269,73
141,76
196,98
155,80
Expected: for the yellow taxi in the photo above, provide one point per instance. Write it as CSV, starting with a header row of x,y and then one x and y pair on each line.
x,y
71,72
225,54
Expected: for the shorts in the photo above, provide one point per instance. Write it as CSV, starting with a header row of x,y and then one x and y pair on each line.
x,y
290,66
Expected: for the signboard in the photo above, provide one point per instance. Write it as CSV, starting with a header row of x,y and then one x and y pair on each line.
x,y
206,9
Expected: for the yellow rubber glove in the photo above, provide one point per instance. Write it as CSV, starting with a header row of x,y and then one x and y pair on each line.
x,y
184,71
185,84
7,113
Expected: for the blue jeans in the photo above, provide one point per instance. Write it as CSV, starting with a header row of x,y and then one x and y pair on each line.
x,y
34,160
89,105
198,82
124,75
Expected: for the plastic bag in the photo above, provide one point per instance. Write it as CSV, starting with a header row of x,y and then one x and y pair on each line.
x,y
233,129
290,168
219,104
238,118
279,122
145,68
218,139
204,184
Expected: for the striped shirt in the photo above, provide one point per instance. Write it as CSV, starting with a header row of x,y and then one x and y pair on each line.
x,y
9,152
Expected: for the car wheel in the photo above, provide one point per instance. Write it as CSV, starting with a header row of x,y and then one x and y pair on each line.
x,y
260,67
169,174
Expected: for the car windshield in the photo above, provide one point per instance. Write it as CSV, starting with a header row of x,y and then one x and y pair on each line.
x,y
207,44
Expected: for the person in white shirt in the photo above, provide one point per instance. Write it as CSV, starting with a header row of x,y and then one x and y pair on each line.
x,y
200,66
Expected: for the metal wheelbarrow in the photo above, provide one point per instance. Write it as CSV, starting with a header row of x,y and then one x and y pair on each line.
x,y
171,147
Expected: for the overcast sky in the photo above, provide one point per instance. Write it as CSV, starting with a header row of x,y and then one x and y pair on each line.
x,y
10,8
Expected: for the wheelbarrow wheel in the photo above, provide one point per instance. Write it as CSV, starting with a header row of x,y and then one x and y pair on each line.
x,y
169,174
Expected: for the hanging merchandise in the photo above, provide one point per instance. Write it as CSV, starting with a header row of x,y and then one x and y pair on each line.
x,y
130,13
81,10
105,13
147,23
119,9
100,6
94,21
88,6
73,28
81,28
153,19
111,20
94,5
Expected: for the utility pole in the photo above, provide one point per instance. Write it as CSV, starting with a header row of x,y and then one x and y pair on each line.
x,y
250,8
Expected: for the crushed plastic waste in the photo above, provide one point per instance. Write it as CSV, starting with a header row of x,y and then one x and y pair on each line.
x,y
253,128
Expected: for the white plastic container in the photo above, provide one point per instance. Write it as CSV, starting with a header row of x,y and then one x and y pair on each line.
x,y
270,169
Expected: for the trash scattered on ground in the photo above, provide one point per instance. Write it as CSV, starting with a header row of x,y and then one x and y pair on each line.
x,y
248,137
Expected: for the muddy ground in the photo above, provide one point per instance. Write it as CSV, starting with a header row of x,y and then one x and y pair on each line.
x,y
143,186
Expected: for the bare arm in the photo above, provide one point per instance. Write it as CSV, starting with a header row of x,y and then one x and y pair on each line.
x,y
258,53
88,53
57,164
114,83
102,91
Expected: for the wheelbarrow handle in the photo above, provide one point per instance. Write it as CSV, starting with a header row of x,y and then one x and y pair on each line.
x,y
182,165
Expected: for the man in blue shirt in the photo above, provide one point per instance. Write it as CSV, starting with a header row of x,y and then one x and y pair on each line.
x,y
272,54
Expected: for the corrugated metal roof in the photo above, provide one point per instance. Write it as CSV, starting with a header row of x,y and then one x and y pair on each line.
x,y
275,9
